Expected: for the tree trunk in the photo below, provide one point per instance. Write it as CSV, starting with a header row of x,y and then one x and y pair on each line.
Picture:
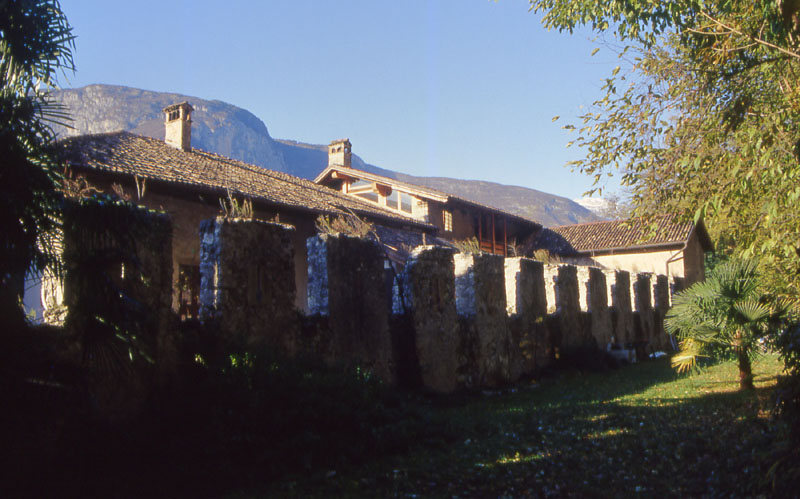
x,y
745,372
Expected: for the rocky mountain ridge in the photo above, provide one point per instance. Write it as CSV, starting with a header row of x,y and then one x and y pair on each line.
x,y
235,132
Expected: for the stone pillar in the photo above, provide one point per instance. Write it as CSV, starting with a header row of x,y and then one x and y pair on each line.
x,y
429,293
662,304
317,288
481,299
247,286
622,313
118,279
582,274
550,277
526,305
600,314
574,333
644,311
347,283
552,322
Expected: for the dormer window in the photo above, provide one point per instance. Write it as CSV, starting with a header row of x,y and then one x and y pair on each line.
x,y
361,185
393,200
406,202
368,195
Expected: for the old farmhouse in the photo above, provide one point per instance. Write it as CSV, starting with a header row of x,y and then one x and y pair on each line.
x,y
456,218
674,249
189,183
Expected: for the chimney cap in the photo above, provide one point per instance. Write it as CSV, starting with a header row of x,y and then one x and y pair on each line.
x,y
173,107
340,141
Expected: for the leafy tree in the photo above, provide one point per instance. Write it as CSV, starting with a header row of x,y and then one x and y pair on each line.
x,y
36,42
727,311
702,117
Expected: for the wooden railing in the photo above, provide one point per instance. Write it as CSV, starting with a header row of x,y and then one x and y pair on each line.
x,y
487,234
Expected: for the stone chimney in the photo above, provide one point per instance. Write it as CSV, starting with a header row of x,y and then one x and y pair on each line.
x,y
178,125
339,153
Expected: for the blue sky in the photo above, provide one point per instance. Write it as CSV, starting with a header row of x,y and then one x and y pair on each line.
x,y
457,88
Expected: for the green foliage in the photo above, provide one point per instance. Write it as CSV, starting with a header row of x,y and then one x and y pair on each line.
x,y
702,117
35,42
232,208
729,311
469,245
784,472
253,415
105,271
349,224
545,256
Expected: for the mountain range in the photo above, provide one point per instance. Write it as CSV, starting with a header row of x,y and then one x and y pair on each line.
x,y
231,131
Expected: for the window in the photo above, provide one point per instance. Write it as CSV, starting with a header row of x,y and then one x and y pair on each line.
x,y
405,202
368,195
393,200
360,185
447,220
188,291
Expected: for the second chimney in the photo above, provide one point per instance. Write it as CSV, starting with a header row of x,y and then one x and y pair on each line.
x,y
178,125
339,153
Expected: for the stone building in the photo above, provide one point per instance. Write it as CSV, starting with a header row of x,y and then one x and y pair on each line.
x,y
190,185
674,249
456,218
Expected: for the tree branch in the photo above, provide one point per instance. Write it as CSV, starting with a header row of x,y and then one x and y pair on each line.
x,y
755,39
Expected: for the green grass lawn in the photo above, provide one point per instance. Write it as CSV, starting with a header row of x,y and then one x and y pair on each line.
x,y
641,430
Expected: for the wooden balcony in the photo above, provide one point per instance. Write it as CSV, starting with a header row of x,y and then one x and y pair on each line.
x,y
493,233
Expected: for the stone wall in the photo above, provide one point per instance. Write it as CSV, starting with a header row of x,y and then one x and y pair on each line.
x,y
429,294
447,321
571,322
526,305
247,281
622,311
347,283
644,322
481,298
661,304
118,280
115,249
599,311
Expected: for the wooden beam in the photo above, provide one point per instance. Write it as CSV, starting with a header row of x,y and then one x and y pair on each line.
x,y
505,237
340,176
493,235
384,190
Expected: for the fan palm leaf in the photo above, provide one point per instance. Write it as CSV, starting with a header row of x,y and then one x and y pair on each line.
x,y
728,310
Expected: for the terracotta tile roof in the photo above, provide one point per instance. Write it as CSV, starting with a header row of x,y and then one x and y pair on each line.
x,y
419,190
127,153
623,235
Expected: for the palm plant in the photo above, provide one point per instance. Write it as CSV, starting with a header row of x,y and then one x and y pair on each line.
x,y
36,42
729,311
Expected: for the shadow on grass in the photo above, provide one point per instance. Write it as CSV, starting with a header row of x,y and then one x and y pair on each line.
x,y
704,445
586,435
575,434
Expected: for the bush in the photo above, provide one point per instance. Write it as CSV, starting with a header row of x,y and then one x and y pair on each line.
x,y
784,472
236,418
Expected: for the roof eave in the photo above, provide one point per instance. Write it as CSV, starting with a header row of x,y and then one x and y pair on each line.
x,y
324,173
498,211
638,247
372,177
197,186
